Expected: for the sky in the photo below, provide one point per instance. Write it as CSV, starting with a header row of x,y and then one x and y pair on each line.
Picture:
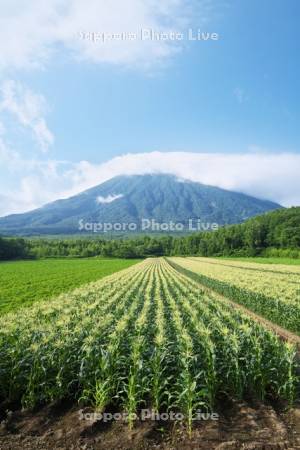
x,y
79,104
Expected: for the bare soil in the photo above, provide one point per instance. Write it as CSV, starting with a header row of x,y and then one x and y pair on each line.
x,y
240,426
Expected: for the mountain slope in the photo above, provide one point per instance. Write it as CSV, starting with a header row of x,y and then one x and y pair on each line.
x,y
129,199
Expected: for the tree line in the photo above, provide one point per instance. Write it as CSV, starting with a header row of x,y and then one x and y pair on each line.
x,y
272,234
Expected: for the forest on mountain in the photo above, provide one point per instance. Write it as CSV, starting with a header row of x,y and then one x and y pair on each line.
x,y
276,233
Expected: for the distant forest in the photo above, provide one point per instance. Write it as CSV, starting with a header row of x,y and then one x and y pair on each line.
x,y
273,234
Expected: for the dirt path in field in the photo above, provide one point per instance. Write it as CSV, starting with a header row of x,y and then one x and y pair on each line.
x,y
281,332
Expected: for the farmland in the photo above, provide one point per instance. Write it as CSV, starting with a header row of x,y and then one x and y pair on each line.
x,y
270,291
269,260
158,336
148,336
24,282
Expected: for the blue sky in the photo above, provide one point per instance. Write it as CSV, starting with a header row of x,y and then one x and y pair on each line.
x,y
69,107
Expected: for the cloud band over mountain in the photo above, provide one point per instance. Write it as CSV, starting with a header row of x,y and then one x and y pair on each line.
x,y
272,176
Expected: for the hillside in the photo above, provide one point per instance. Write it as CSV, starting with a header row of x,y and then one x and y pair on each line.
x,y
275,233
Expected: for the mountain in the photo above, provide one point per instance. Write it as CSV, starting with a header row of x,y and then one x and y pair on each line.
x,y
130,199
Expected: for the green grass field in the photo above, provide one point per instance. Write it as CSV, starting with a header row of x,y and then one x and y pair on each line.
x,y
261,260
25,282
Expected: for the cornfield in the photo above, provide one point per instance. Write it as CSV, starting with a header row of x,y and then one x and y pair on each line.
x,y
272,292
146,336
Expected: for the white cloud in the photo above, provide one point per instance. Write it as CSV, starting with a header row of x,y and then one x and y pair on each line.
x,y
28,183
265,175
28,108
109,198
274,176
38,183
32,32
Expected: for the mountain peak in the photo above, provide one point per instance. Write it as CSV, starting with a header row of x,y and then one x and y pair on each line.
x,y
131,198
